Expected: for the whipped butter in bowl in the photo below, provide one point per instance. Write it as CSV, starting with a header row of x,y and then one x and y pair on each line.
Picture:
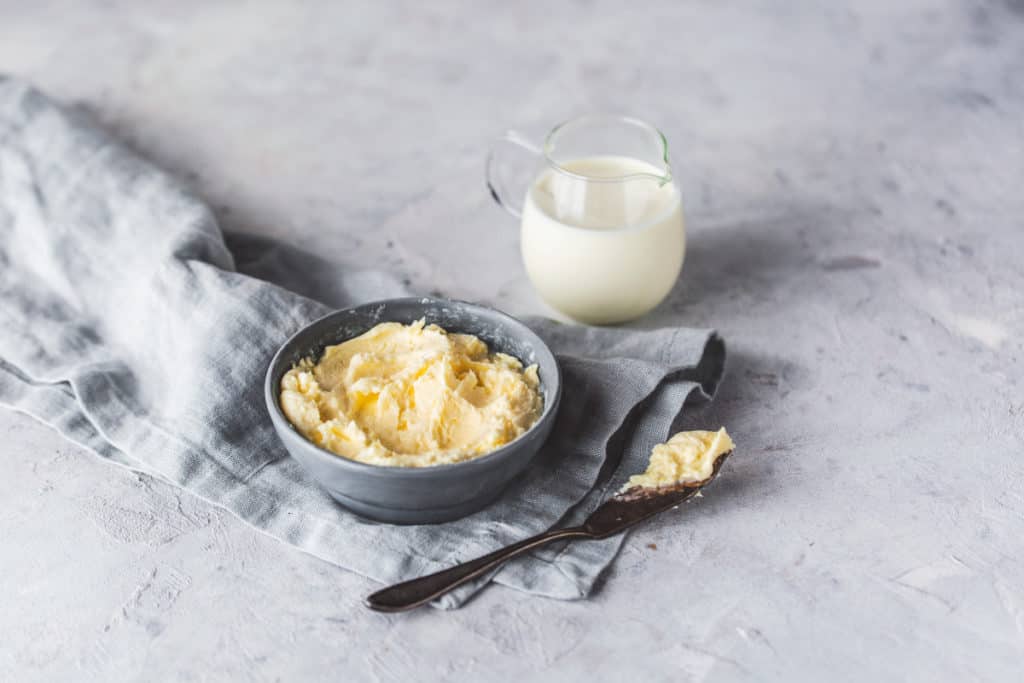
x,y
411,396
414,410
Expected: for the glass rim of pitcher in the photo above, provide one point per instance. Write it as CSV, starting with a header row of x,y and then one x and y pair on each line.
x,y
549,143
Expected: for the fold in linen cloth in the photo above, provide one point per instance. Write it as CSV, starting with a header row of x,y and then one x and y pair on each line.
x,y
126,324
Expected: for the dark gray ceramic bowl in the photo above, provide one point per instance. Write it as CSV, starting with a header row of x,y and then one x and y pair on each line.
x,y
428,494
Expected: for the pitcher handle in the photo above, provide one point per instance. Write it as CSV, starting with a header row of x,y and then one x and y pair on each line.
x,y
495,181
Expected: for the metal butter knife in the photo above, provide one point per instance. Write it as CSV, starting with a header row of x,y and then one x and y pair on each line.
x,y
615,515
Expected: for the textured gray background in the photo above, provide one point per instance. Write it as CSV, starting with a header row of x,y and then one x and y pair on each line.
x,y
852,174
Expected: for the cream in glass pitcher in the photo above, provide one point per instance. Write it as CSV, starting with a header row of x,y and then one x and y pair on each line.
x,y
602,235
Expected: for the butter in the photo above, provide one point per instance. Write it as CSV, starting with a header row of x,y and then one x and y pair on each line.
x,y
411,396
686,457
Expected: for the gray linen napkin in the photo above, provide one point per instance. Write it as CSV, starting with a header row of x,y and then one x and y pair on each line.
x,y
126,324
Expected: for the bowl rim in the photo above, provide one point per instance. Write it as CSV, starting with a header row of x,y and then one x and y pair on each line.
x,y
286,429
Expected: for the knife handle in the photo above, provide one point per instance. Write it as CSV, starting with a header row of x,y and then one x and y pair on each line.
x,y
415,592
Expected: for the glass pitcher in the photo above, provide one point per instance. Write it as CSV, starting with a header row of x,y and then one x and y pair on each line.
x,y
602,232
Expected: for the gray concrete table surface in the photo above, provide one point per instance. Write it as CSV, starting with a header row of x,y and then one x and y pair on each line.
x,y
852,176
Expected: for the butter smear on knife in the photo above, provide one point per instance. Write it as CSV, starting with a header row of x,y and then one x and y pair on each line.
x,y
686,457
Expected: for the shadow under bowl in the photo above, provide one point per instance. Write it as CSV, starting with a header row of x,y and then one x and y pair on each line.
x,y
417,495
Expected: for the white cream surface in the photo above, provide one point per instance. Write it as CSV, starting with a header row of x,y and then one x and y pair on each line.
x,y
603,252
